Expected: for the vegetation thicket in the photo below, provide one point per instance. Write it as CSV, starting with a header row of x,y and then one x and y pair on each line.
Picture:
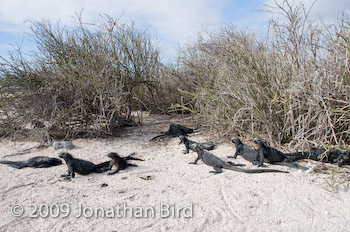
x,y
290,86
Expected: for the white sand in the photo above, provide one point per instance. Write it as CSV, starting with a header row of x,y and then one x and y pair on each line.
x,y
230,201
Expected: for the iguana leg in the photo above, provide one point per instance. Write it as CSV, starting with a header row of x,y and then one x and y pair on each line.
x,y
261,159
73,173
187,148
235,155
295,165
217,170
69,173
67,176
110,166
255,162
115,171
195,161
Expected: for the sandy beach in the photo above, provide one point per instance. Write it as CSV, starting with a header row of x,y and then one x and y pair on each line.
x,y
165,193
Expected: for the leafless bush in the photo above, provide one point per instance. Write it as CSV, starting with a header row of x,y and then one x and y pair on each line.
x,y
291,87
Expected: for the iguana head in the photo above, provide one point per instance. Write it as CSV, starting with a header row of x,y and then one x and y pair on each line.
x,y
66,156
113,155
182,138
345,154
258,141
236,140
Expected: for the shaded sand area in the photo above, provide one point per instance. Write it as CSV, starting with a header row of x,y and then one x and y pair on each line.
x,y
193,198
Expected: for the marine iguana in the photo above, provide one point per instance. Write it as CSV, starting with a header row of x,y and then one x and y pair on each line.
x,y
218,164
245,151
326,156
175,130
83,167
343,158
119,162
187,142
270,154
340,157
34,162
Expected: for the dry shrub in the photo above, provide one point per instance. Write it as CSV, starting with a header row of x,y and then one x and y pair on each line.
x,y
84,81
291,87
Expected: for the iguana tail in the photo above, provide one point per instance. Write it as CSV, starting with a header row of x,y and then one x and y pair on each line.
x,y
14,164
129,157
252,170
301,155
158,136
102,167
